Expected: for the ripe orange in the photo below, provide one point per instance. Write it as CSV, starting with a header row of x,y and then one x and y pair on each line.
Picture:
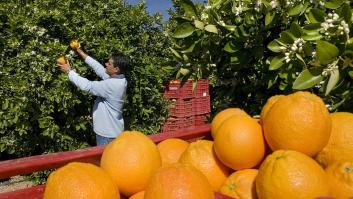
x,y
201,155
270,102
178,181
239,143
340,177
287,174
241,184
80,181
74,44
171,150
299,121
223,115
61,60
138,195
131,159
340,144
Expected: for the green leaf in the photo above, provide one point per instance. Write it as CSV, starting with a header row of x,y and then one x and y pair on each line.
x,y
350,73
346,12
316,16
296,10
185,58
306,80
231,48
234,59
213,2
333,4
269,18
183,30
312,37
189,8
230,27
199,24
326,52
350,41
190,48
243,31
296,30
184,71
211,28
287,37
176,54
334,77
5,105
308,49
274,46
272,81
277,62
312,29
300,58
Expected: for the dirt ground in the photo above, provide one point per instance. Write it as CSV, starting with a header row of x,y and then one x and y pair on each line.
x,y
14,183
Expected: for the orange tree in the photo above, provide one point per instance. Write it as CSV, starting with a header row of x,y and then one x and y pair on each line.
x,y
41,111
251,50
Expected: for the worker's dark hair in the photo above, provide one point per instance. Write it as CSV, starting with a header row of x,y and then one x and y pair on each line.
x,y
121,61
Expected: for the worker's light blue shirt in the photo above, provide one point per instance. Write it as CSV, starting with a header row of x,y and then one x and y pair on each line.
x,y
108,107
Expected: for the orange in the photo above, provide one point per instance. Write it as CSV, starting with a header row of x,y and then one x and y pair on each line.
x,y
138,195
270,102
239,143
287,174
299,121
61,60
201,155
171,150
340,144
131,159
74,44
340,177
241,184
223,115
80,181
179,181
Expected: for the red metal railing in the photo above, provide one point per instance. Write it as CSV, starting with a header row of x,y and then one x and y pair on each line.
x,y
92,155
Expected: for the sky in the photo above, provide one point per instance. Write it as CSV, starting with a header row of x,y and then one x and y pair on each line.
x,y
161,6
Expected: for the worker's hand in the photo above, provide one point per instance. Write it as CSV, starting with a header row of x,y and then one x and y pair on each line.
x,y
64,67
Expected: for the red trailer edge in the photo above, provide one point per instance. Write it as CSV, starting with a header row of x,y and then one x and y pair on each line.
x,y
32,164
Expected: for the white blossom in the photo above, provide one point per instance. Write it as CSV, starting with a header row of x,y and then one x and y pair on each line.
x,y
72,53
290,51
331,67
274,4
204,16
221,23
238,10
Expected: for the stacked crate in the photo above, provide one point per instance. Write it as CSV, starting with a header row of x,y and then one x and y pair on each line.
x,y
189,107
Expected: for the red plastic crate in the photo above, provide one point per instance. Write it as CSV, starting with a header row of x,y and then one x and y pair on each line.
x,y
189,121
201,105
175,90
201,89
173,124
180,108
201,119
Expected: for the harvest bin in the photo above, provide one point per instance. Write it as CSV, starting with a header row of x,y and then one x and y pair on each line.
x,y
90,155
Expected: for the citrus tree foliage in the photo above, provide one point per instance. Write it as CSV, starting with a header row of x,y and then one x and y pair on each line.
x,y
41,111
252,49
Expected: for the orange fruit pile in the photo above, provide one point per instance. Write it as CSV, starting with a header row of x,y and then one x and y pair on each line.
x,y
296,150
80,181
131,159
